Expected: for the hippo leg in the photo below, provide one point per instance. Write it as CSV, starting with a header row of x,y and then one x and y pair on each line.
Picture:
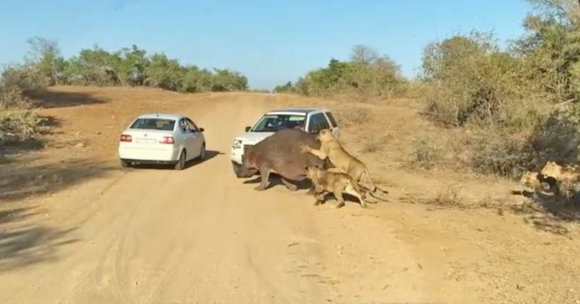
x,y
289,184
312,190
265,176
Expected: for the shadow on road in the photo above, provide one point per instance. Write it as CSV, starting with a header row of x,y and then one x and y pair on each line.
x,y
276,180
8,148
15,215
50,99
22,179
209,154
27,245
548,212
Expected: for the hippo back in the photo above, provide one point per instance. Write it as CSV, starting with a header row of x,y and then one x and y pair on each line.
x,y
282,153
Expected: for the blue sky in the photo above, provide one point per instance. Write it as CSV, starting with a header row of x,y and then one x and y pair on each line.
x,y
270,42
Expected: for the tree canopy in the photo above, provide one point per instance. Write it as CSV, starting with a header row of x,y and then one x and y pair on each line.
x,y
131,66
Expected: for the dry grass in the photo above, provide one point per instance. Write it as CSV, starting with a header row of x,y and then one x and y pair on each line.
x,y
450,196
353,115
426,153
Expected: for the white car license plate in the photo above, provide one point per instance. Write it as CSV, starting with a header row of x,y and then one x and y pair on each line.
x,y
145,140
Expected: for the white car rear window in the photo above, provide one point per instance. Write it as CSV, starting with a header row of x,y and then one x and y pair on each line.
x,y
153,124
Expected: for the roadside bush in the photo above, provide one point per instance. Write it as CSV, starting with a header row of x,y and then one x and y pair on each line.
x,y
19,120
23,77
555,137
498,152
558,136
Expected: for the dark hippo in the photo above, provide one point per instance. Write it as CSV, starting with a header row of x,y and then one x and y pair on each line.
x,y
280,153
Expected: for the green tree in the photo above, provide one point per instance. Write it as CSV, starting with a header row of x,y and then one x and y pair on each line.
x,y
45,66
366,73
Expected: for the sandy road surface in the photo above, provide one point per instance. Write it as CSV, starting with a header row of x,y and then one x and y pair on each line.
x,y
161,236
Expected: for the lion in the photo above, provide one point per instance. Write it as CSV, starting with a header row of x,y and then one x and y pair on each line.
x,y
567,177
537,181
561,172
326,181
344,162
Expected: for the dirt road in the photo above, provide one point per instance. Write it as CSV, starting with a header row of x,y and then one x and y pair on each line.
x,y
76,228
202,236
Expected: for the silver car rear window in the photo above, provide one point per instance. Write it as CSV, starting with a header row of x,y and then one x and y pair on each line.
x,y
153,124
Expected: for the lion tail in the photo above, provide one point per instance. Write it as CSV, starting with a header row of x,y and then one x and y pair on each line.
x,y
374,187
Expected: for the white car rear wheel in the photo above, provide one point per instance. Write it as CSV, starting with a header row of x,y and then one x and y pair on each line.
x,y
202,152
181,162
125,164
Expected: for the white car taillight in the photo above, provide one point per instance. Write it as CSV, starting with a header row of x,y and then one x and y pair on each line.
x,y
126,138
168,140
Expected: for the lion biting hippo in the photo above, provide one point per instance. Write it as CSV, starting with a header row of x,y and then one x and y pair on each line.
x,y
280,153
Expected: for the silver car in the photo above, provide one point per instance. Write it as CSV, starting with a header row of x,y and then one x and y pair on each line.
x,y
160,138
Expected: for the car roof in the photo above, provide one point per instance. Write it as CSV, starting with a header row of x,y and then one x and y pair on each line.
x,y
162,115
297,110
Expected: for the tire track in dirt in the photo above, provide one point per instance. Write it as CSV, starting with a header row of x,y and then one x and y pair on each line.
x,y
231,216
109,216
102,277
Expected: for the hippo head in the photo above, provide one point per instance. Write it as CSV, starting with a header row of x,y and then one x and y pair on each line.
x,y
249,165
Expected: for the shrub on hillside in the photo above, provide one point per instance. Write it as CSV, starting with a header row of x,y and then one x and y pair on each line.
x,y
506,98
19,120
555,137
499,152
23,77
558,135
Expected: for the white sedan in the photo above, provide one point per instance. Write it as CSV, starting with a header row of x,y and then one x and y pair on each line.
x,y
158,138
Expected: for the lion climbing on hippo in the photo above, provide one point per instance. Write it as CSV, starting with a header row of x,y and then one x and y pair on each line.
x,y
281,153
